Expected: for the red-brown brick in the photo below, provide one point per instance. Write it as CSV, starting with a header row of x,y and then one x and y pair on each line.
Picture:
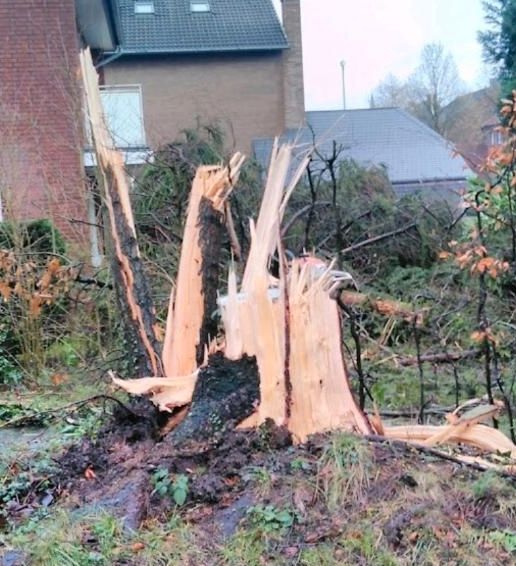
x,y
41,173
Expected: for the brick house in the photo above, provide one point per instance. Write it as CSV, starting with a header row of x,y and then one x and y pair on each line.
x,y
164,64
472,124
183,61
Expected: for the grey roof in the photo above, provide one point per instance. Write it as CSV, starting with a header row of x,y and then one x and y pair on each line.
x,y
230,25
410,150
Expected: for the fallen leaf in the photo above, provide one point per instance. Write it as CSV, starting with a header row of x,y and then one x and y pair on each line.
x,y
89,473
231,480
291,551
59,378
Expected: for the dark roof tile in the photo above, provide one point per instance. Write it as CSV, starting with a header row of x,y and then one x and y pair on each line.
x,y
230,25
411,151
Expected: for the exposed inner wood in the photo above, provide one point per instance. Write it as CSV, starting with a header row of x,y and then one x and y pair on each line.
x,y
189,326
321,393
128,267
282,336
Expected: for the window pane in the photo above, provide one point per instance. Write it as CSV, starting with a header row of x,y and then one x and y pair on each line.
x,y
143,7
123,111
199,6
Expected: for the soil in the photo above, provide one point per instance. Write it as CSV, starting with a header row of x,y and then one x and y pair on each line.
x,y
403,493
225,481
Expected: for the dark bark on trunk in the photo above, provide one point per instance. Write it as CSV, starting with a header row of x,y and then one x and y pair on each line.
x,y
211,232
143,357
226,393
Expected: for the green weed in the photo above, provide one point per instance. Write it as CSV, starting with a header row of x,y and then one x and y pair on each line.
x,y
269,518
175,487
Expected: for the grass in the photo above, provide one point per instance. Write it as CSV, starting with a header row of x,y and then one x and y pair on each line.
x,y
344,470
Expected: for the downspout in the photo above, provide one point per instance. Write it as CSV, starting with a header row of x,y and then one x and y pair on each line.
x,y
113,57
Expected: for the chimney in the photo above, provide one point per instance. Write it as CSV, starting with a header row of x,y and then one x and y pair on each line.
x,y
293,87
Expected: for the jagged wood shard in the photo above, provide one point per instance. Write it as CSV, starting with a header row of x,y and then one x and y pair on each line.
x,y
134,292
190,324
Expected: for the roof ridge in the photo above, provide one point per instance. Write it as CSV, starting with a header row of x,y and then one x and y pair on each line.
x,y
357,109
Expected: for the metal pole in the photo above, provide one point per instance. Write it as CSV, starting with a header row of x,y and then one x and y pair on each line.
x,y
343,69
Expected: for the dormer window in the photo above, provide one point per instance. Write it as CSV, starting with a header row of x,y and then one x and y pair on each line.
x,y
144,6
199,6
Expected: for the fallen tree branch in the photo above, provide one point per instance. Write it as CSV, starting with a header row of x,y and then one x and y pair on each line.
x,y
376,239
302,211
93,281
385,307
440,358
18,422
413,413
456,459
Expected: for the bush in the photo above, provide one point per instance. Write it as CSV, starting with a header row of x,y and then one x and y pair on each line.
x,y
36,236
342,205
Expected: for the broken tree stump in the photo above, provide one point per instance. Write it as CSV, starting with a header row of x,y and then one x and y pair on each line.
x,y
280,358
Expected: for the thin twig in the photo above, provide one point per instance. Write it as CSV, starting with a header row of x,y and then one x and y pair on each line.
x,y
379,238
17,422
407,446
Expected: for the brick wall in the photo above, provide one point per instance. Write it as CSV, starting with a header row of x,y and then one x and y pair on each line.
x,y
293,65
41,140
243,91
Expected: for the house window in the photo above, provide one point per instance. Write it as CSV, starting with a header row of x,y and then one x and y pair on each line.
x,y
496,137
199,6
144,7
123,110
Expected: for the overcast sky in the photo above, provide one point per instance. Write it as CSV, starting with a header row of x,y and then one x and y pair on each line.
x,y
377,37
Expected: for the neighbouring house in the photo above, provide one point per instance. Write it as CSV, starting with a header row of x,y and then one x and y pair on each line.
x,y
183,61
472,123
417,159
164,65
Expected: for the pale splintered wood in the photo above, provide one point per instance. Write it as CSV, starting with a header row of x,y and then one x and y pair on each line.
x,y
266,310
233,321
278,189
165,392
255,320
186,309
321,393
477,435
254,324
115,187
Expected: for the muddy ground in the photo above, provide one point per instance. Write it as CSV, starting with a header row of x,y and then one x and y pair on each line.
x,y
335,490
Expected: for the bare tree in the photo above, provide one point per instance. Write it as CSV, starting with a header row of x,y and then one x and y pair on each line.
x,y
391,92
433,85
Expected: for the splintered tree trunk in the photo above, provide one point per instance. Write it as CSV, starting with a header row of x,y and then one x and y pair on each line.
x,y
132,287
190,323
321,400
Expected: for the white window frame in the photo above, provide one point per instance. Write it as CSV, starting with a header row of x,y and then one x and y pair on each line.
x,y
200,6
137,89
496,137
142,7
